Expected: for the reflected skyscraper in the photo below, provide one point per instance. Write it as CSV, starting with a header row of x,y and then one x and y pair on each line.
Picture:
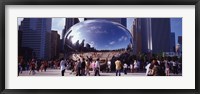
x,y
118,20
35,34
68,23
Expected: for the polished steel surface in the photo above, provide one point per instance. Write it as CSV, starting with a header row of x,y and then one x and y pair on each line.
x,y
97,35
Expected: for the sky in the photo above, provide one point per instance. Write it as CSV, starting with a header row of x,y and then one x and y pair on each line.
x,y
58,25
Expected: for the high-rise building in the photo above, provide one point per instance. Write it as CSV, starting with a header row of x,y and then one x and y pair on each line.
x,y
180,40
143,35
137,42
180,44
161,30
172,42
118,20
55,44
155,34
35,34
68,23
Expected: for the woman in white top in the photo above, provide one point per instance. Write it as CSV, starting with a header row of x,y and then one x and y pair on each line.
x,y
109,65
97,68
62,66
125,68
135,65
147,68
166,67
131,67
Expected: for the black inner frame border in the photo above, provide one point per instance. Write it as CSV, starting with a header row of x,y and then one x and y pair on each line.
x,y
97,2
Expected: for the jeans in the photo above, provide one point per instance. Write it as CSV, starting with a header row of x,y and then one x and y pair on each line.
x,y
175,70
118,72
63,72
97,72
78,72
125,70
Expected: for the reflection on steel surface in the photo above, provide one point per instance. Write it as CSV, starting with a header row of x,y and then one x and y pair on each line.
x,y
97,35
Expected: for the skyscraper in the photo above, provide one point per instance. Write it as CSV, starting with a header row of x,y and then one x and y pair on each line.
x,y
172,42
137,42
118,20
55,44
155,34
161,30
143,35
180,43
180,40
35,34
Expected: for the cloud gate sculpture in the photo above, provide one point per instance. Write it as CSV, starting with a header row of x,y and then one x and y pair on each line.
x,y
97,36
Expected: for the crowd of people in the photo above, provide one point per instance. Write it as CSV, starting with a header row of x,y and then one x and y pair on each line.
x,y
34,65
83,66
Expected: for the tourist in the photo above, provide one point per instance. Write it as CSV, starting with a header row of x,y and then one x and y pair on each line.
x,y
32,67
151,71
135,66
97,68
42,66
155,68
109,65
87,67
167,66
118,67
78,68
38,65
131,68
45,65
147,69
20,67
175,65
138,66
125,68
62,66
83,67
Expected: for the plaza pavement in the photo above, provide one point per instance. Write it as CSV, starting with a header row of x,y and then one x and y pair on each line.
x,y
56,72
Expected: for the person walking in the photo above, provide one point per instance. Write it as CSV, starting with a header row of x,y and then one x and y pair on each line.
x,y
109,65
87,67
62,66
118,67
32,67
45,65
78,68
147,68
167,66
125,68
83,67
174,63
135,66
97,68
131,68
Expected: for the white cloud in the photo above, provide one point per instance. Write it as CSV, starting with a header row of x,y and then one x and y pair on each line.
x,y
58,25
122,38
81,19
112,42
92,43
19,20
125,38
